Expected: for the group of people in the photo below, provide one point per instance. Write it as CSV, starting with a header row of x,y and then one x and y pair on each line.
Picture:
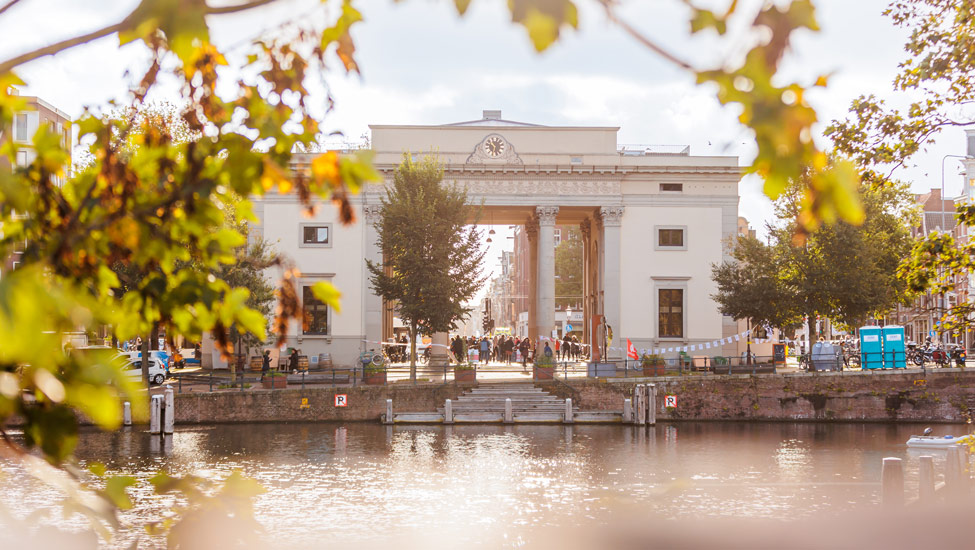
x,y
502,348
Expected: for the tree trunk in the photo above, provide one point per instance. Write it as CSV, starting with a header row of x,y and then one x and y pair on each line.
x,y
154,343
413,352
811,325
145,360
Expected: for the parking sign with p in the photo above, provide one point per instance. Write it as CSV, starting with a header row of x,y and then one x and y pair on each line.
x,y
341,400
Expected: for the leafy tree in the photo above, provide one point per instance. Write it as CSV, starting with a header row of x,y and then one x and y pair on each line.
x,y
431,256
568,269
843,272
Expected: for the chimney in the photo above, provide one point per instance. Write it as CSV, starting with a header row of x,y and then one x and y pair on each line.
x,y
488,114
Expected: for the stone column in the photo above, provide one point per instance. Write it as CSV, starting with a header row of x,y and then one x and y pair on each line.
x,y
373,306
611,217
545,301
586,228
531,231
438,351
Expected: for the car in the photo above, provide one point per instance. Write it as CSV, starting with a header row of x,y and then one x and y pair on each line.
x,y
161,355
157,372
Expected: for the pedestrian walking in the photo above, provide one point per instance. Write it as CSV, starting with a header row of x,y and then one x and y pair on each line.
x,y
293,361
265,364
524,346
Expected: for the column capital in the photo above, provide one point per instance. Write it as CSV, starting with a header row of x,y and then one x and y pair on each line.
x,y
372,212
546,214
611,215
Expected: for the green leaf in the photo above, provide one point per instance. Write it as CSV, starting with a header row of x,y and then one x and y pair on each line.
x,y
328,294
115,491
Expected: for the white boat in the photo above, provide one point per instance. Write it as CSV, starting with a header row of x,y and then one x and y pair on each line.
x,y
936,442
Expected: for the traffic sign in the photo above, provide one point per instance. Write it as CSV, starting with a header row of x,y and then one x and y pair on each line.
x,y
931,333
670,401
568,327
341,400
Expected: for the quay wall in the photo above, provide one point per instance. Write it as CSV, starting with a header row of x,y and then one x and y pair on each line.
x,y
943,395
365,403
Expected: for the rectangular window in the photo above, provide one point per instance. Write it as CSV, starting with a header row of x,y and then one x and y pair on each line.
x,y
314,313
670,237
558,236
672,187
21,158
671,312
316,235
20,127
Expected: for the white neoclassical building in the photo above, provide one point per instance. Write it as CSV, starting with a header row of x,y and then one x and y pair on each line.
x,y
654,220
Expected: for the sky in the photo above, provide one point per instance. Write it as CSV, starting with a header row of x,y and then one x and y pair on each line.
x,y
422,64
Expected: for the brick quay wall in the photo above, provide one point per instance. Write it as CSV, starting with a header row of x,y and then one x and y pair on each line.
x,y
940,395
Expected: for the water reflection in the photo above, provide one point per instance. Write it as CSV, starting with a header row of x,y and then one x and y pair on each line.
x,y
330,485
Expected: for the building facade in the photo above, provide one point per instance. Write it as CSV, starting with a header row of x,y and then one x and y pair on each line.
x,y
36,113
653,222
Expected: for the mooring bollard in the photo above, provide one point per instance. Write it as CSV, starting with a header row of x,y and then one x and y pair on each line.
x,y
567,417
652,404
892,483
127,413
925,489
448,413
169,412
389,411
155,414
953,472
627,410
639,401
509,417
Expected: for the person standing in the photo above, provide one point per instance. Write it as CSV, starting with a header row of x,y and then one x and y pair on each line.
x,y
485,350
293,361
524,346
265,364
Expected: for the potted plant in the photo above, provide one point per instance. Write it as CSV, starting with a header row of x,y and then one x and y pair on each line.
x,y
465,372
544,368
373,375
275,380
653,365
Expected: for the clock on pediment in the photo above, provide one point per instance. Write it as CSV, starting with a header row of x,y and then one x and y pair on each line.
x,y
493,149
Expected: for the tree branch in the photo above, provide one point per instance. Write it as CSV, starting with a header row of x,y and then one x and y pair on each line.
x,y
126,23
8,65
238,7
641,38
8,5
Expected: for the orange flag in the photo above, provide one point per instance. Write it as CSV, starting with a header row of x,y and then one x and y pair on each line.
x,y
631,350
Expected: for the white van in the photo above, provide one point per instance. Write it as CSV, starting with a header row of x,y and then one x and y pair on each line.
x,y
157,372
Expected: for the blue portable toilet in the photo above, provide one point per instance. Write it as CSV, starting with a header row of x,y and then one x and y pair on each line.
x,y
872,348
895,355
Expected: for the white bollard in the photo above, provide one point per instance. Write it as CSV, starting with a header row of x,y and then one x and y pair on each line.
x,y
127,413
509,417
155,414
567,418
169,412
953,473
925,490
892,483
448,413
389,411
627,411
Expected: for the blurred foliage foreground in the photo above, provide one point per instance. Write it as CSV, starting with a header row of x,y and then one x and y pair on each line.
x,y
164,209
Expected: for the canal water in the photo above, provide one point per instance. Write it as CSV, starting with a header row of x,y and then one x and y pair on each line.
x,y
366,485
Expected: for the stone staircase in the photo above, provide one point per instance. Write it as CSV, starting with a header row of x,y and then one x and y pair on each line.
x,y
487,403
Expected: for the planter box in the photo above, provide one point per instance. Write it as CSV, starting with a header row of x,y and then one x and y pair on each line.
x,y
465,375
280,382
543,373
655,370
374,378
